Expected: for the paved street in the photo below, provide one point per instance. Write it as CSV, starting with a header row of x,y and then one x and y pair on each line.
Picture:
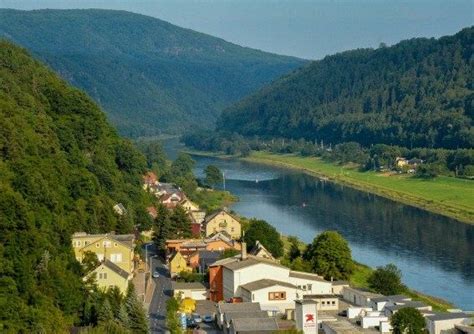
x,y
157,311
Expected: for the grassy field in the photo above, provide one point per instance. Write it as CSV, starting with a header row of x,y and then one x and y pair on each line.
x,y
444,195
211,200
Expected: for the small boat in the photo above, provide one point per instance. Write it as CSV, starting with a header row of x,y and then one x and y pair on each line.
x,y
303,205
256,180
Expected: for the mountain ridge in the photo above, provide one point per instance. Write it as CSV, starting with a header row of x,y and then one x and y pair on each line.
x,y
416,93
150,76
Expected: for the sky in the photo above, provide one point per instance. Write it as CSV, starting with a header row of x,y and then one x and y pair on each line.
x,y
301,28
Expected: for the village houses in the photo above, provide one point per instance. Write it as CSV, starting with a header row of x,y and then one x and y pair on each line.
x,y
222,220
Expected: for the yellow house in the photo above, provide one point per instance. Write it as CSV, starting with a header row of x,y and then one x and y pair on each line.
x,y
178,264
222,221
108,274
117,248
188,205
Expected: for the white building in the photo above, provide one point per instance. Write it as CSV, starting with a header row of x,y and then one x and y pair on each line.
x,y
379,303
359,297
193,290
437,323
273,296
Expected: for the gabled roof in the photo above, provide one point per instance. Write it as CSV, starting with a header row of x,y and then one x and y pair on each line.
x,y
220,235
216,213
258,247
228,316
250,261
255,325
188,286
308,276
447,316
125,239
238,307
116,269
265,283
174,255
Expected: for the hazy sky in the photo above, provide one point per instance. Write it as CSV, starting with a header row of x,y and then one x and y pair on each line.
x,y
308,29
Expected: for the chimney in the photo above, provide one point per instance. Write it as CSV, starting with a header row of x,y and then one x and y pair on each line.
x,y
243,253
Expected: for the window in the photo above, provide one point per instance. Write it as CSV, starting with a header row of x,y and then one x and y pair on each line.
x,y
333,302
323,303
97,245
86,243
116,257
100,257
277,296
115,244
299,287
232,229
253,296
107,243
102,275
310,287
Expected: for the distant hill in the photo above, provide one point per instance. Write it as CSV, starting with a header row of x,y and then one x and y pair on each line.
x,y
62,169
150,76
417,93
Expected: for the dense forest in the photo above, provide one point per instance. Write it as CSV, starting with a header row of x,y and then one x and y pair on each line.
x,y
62,168
150,77
417,93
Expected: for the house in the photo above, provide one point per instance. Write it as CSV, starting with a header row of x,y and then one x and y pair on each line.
x,y
206,258
325,302
440,322
117,248
358,297
120,209
198,216
400,162
222,221
273,296
108,274
190,246
195,227
149,180
338,286
171,200
193,290
238,276
188,205
306,316
340,327
177,264
162,188
259,250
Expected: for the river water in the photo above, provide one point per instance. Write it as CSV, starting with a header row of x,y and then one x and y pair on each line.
x,y
435,254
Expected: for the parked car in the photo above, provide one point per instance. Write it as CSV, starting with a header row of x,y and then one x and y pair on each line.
x,y
190,323
208,318
197,318
156,274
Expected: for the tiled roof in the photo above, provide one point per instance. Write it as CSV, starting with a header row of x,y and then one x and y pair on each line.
x,y
238,307
255,325
112,266
265,283
228,316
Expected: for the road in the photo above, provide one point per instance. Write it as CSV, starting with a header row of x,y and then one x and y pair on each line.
x,y
157,310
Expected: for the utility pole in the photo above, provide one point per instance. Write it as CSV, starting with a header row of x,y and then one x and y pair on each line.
x,y
223,179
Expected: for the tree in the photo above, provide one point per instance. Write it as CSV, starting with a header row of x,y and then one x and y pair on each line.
x,y
294,251
105,312
330,256
260,230
89,261
182,166
136,314
181,223
408,320
387,280
213,175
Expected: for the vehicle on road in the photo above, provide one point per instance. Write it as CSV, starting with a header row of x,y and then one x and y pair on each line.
x,y
208,318
156,274
197,318
190,323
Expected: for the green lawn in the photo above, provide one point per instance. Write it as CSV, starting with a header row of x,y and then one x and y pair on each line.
x,y
448,196
211,200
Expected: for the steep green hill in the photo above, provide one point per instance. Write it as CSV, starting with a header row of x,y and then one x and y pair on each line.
x,y
149,76
417,93
62,168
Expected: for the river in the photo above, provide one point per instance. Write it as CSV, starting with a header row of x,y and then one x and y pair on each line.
x,y
434,253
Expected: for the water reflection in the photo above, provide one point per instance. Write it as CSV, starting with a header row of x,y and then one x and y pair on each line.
x,y
434,253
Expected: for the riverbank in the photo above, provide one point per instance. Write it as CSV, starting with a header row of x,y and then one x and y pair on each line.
x,y
447,196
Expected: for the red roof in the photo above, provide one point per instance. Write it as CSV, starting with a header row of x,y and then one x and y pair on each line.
x,y
152,212
150,178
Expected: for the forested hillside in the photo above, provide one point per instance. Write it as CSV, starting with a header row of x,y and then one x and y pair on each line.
x,y
150,76
417,93
62,169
